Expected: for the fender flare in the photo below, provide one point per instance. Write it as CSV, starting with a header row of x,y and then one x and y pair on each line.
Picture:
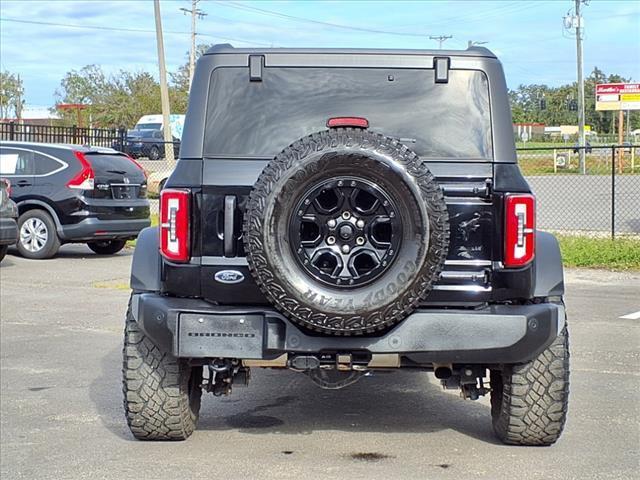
x,y
146,264
549,274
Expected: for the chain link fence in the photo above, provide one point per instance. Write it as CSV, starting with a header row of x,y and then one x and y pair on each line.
x,y
600,195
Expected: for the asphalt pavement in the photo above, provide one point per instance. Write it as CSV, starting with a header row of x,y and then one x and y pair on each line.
x,y
61,324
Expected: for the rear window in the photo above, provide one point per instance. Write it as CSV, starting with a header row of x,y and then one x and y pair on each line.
x,y
105,162
444,120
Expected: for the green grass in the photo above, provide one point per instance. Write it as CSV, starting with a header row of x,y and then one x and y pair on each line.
x,y
619,254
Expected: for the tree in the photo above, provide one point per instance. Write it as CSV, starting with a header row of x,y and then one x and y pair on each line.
x,y
11,95
526,105
179,88
115,101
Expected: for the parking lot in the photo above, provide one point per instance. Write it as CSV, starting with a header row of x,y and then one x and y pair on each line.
x,y
61,329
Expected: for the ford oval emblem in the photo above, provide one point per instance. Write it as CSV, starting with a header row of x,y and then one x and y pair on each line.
x,y
229,276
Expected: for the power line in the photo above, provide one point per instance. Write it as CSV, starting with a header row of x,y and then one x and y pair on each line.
x,y
272,13
441,39
122,29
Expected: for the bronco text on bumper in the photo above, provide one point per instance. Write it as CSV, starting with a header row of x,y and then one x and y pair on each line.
x,y
336,212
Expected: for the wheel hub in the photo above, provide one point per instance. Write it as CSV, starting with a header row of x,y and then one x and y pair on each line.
x,y
345,231
34,234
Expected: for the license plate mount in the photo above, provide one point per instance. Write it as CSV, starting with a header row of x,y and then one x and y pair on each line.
x,y
220,335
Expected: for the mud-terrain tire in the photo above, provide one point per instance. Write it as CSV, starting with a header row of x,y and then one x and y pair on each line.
x,y
529,401
106,247
384,163
161,393
37,223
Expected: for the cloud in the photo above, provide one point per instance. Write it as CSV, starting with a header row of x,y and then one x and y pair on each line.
x,y
528,37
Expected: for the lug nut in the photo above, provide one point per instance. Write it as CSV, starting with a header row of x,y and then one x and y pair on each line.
x,y
345,249
360,223
340,183
360,240
331,240
346,215
331,223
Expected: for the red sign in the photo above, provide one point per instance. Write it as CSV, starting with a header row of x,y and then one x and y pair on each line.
x,y
618,96
617,88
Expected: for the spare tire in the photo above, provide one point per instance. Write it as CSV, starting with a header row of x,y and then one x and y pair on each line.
x,y
346,231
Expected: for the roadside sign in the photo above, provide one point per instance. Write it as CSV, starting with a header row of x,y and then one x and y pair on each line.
x,y
618,96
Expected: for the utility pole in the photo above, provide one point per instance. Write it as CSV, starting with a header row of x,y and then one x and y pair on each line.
x,y
579,35
195,13
164,90
440,38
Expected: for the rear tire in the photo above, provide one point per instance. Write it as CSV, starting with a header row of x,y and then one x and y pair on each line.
x,y
161,393
529,401
37,236
107,247
3,251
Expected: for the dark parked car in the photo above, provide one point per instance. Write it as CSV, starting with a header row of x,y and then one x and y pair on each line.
x,y
148,143
339,212
8,218
74,194
587,147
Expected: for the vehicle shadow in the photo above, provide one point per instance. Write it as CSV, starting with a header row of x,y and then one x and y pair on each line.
x,y
71,251
277,402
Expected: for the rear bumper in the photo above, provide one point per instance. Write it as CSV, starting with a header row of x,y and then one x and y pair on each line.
x,y
96,229
497,334
8,231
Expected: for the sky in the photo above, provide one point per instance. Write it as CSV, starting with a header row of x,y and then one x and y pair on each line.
x,y
527,36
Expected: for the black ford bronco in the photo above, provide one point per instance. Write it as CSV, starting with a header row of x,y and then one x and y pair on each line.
x,y
336,212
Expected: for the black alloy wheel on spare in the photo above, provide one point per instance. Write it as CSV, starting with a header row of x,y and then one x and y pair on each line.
x,y
346,231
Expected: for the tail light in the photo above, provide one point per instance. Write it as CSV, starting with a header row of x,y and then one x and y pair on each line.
x,y
520,225
174,225
85,179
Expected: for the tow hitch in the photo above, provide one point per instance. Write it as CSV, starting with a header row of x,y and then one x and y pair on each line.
x,y
223,374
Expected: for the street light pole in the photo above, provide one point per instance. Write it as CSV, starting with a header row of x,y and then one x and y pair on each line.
x,y
581,137
164,90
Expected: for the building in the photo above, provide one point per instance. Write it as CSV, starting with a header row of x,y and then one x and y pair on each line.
x,y
36,115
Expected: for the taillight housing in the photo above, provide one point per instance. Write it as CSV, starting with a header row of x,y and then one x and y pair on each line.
x,y
85,179
174,225
520,229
